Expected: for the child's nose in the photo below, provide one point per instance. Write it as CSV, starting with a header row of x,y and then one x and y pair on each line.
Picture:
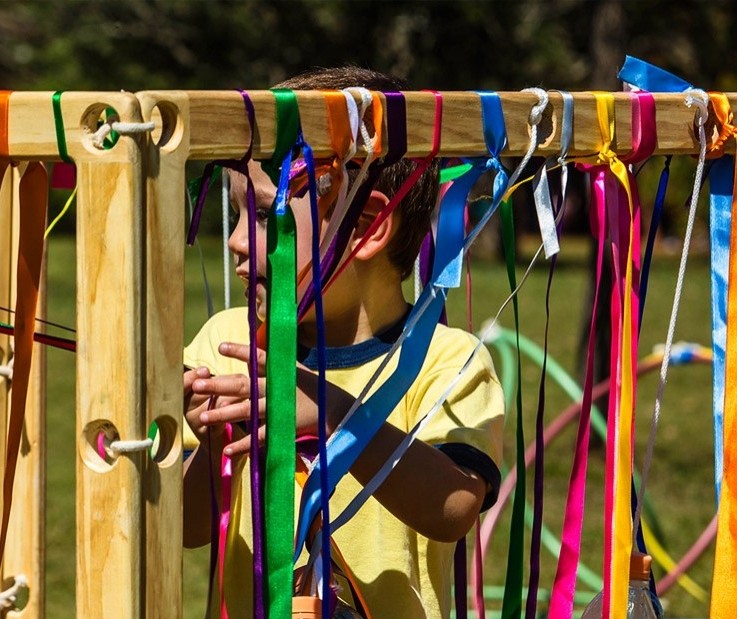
x,y
238,242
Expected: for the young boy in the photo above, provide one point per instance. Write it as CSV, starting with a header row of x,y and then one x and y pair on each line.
x,y
400,544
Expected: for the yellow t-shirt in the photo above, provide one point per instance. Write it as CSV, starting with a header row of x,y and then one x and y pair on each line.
x,y
399,572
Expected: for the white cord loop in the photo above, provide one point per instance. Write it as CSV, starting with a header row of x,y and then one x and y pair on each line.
x,y
123,128
122,447
9,596
6,371
536,114
697,97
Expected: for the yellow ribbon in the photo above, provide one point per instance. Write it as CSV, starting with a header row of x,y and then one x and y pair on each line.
x,y
622,457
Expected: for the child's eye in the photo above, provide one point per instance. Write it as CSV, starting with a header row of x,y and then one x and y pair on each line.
x,y
262,215
233,218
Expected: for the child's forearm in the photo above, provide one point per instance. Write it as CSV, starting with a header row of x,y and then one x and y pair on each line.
x,y
426,490
197,505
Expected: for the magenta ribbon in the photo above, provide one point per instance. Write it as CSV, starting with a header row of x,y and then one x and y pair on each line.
x,y
609,214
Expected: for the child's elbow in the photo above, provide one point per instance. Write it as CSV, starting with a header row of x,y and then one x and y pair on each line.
x,y
460,514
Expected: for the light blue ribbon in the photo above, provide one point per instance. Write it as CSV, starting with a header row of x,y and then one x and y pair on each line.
x,y
720,216
654,79
649,77
348,442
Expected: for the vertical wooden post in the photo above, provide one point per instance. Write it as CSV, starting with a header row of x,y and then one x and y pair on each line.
x,y
164,157
6,266
25,547
110,370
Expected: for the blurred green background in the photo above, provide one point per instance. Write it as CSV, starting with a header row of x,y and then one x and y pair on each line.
x,y
451,45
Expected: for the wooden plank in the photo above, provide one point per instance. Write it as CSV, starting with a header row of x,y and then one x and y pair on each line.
x,y
219,127
25,549
110,375
165,155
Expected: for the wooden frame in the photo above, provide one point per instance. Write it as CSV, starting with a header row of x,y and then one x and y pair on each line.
x,y
130,248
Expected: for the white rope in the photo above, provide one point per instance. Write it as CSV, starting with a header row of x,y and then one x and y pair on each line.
x,y
6,371
225,198
123,128
119,447
536,114
8,597
370,144
700,99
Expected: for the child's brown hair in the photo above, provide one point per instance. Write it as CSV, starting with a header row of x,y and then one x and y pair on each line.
x,y
415,210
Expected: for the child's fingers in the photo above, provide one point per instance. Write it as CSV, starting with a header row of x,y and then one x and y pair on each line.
x,y
242,352
243,445
234,385
230,413
189,376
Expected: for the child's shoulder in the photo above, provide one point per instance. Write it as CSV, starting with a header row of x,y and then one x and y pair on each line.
x,y
455,346
453,338
229,325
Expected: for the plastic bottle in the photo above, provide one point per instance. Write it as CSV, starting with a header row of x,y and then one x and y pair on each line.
x,y
641,603
308,607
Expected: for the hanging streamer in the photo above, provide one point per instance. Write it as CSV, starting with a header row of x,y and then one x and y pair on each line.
x,y
281,389
724,587
281,325
32,208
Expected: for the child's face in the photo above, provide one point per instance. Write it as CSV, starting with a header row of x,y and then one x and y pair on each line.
x,y
242,246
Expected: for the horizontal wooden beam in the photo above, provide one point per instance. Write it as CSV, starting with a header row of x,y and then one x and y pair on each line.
x,y
219,128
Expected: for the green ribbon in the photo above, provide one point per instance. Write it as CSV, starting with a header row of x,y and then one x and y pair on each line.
x,y
59,126
112,137
281,386
287,129
281,370
512,604
454,172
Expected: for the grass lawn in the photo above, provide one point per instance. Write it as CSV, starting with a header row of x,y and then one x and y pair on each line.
x,y
681,480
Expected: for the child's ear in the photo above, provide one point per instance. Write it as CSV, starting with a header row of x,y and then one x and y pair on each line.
x,y
372,240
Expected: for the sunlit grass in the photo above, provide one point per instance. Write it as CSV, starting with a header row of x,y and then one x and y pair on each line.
x,y
680,486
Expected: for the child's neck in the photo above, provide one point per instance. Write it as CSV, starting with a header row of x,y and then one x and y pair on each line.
x,y
355,324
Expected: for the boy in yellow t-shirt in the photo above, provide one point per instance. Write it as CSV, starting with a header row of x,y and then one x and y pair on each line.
x,y
399,545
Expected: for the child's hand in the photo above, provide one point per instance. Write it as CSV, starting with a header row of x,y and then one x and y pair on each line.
x,y
232,403
194,404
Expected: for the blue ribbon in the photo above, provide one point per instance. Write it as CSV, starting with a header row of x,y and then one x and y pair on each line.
x,y
321,368
649,77
348,442
720,213
654,225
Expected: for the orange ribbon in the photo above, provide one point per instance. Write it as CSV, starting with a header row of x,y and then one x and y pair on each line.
x,y
33,194
724,585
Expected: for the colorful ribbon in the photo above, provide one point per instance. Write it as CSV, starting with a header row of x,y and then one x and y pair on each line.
x,y
724,586
33,195
281,389
362,421
281,377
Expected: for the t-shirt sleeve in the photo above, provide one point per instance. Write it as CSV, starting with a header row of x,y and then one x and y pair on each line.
x,y
469,425
229,325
